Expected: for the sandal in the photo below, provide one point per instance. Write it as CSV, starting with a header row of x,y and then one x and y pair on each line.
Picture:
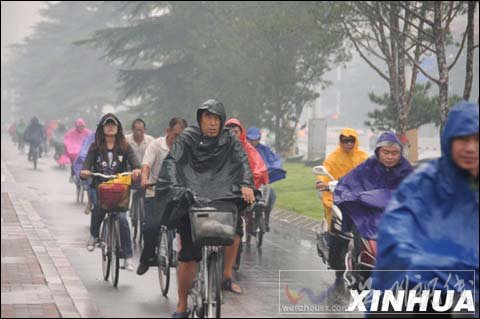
x,y
228,285
185,314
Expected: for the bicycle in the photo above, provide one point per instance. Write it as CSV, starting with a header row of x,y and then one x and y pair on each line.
x,y
258,211
166,254
34,149
236,266
136,213
109,240
21,145
213,226
167,257
81,186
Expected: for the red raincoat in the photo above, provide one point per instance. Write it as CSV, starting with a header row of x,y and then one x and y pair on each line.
x,y
257,165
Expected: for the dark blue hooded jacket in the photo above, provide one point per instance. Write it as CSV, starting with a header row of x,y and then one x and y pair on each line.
x,y
432,221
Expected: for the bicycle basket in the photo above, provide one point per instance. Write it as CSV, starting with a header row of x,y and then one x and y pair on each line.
x,y
213,224
114,195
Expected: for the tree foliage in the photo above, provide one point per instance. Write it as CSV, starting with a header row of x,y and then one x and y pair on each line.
x,y
55,79
424,110
260,59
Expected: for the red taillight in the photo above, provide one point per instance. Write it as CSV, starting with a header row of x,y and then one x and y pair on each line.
x,y
367,259
369,252
373,247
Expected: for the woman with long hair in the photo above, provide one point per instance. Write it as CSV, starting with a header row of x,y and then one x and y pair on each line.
x,y
110,154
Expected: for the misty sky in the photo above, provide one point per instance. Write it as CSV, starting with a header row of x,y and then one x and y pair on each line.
x,y
18,18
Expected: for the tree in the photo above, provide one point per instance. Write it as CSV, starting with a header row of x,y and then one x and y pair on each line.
x,y
470,49
56,77
402,33
424,110
440,15
261,59
385,32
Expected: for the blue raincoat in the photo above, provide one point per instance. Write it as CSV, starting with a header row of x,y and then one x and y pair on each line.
x,y
432,221
272,160
78,163
363,194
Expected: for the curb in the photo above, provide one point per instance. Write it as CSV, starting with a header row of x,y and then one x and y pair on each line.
x,y
302,223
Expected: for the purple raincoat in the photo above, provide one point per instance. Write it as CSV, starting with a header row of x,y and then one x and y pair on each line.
x,y
363,194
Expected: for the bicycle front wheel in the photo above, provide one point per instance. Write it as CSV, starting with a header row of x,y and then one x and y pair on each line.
x,y
164,251
106,255
260,231
214,298
115,241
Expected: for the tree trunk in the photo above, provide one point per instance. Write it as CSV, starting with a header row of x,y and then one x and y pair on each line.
x,y
277,133
470,51
403,107
441,60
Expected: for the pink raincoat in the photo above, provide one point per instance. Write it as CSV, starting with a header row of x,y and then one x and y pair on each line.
x,y
74,138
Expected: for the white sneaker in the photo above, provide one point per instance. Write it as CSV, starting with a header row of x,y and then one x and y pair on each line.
x,y
128,264
91,243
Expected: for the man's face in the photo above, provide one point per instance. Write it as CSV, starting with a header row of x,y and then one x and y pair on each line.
x,y
389,155
110,129
138,131
236,130
254,142
347,143
465,152
210,124
173,133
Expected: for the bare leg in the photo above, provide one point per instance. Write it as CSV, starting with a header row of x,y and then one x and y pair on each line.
x,y
229,261
186,274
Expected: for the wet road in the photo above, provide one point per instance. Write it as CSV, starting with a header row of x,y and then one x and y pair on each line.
x,y
288,256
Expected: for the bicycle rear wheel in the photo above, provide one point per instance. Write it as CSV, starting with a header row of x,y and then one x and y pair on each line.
x,y
134,216
164,258
106,256
137,218
35,157
83,189
214,298
138,213
140,220
79,190
115,262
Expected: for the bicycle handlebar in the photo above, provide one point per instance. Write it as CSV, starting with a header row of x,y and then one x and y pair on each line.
x,y
110,176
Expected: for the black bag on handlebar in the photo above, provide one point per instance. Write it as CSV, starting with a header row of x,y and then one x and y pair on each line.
x,y
213,223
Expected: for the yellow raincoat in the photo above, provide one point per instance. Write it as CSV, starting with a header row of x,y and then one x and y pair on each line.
x,y
338,164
